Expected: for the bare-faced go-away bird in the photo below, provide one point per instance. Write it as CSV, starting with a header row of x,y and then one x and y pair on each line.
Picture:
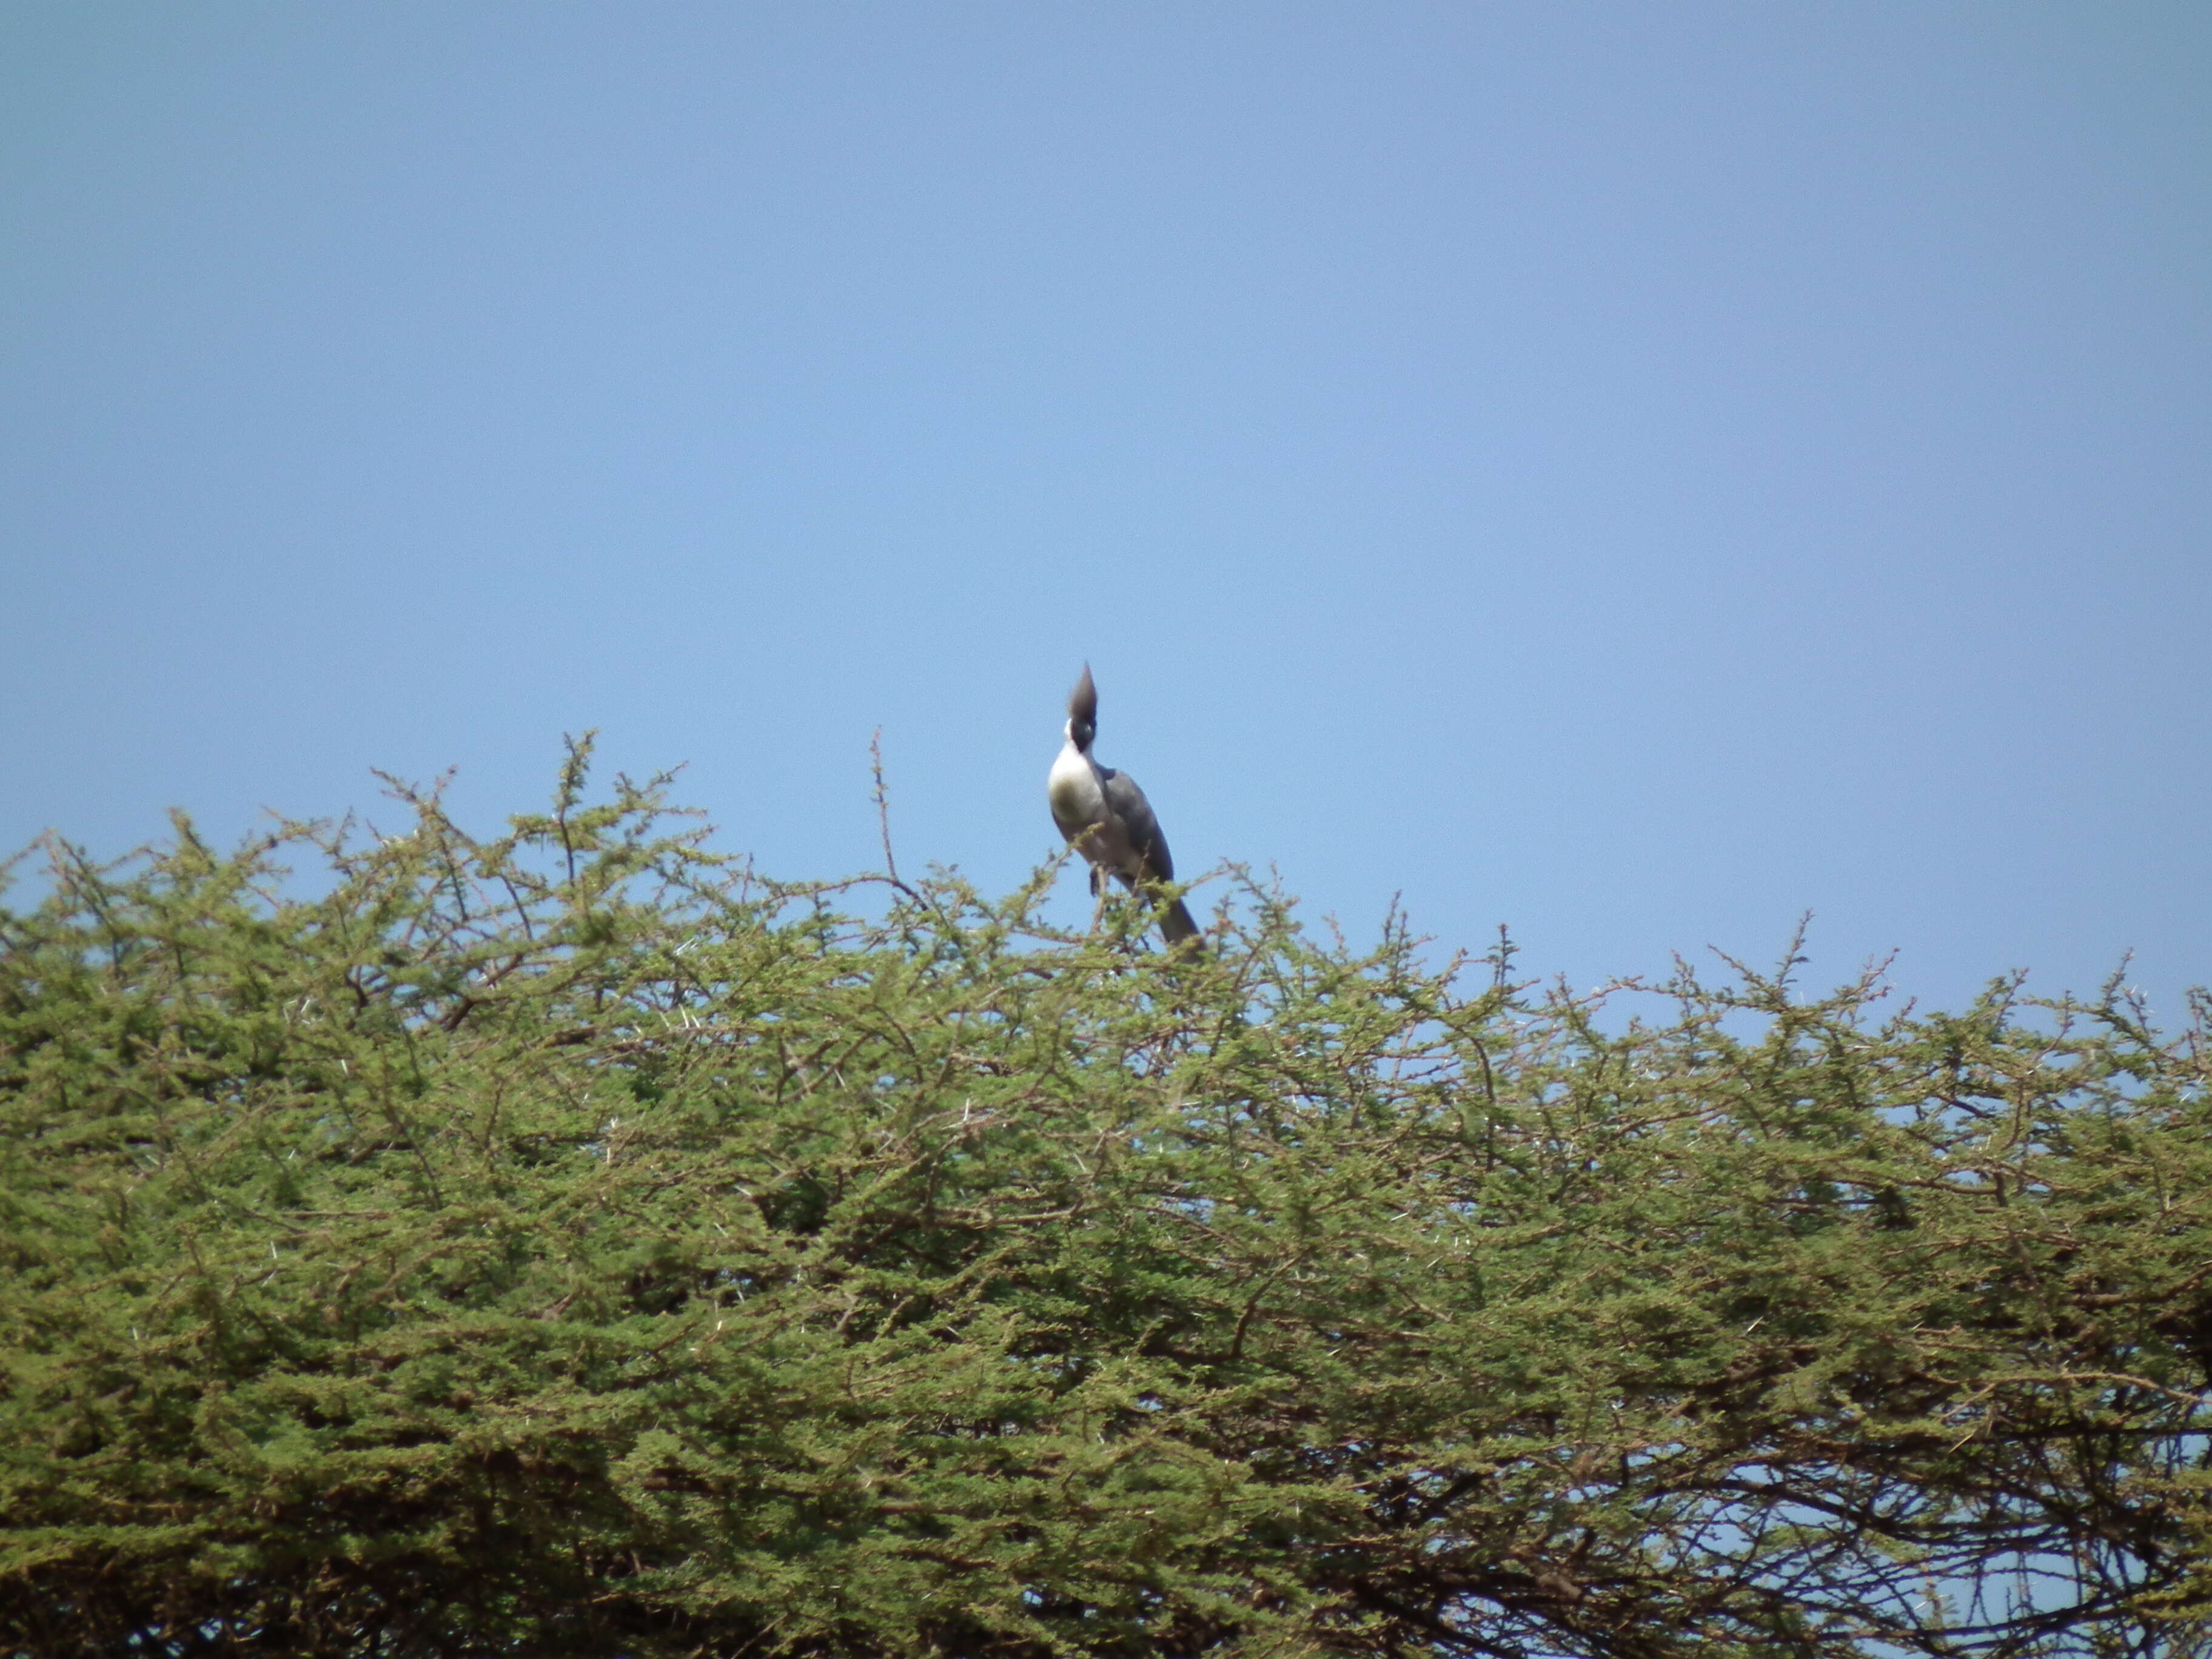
x,y
1106,817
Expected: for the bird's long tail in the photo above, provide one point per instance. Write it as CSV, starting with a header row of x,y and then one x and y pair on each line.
x,y
1175,923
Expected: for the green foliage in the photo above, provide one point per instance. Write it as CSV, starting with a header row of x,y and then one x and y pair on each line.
x,y
571,1242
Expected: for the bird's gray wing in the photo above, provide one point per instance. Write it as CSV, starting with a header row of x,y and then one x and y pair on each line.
x,y
1127,802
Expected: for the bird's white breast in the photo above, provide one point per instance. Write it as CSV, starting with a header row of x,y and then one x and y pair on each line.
x,y
1078,799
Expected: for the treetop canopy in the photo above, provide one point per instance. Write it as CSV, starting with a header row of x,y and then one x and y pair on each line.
x,y
572,1242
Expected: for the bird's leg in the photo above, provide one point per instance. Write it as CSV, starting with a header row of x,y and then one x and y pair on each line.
x,y
1097,897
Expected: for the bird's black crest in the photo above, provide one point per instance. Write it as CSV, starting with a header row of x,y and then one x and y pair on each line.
x,y
1082,702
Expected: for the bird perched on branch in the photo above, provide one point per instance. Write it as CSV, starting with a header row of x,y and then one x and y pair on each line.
x,y
1106,817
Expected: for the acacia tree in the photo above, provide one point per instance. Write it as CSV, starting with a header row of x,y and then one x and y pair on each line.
x,y
572,1243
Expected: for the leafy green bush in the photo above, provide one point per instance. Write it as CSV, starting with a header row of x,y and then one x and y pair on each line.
x,y
572,1243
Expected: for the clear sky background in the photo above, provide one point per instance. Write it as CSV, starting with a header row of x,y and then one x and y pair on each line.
x,y
1636,473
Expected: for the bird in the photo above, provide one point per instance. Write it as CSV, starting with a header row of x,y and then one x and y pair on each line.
x,y
1106,817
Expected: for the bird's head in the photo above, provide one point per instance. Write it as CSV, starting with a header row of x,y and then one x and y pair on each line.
x,y
1082,712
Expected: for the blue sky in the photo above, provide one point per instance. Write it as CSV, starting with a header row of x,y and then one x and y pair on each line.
x,y
1633,473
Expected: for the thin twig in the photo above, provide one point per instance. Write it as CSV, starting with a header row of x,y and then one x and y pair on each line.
x,y
883,804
